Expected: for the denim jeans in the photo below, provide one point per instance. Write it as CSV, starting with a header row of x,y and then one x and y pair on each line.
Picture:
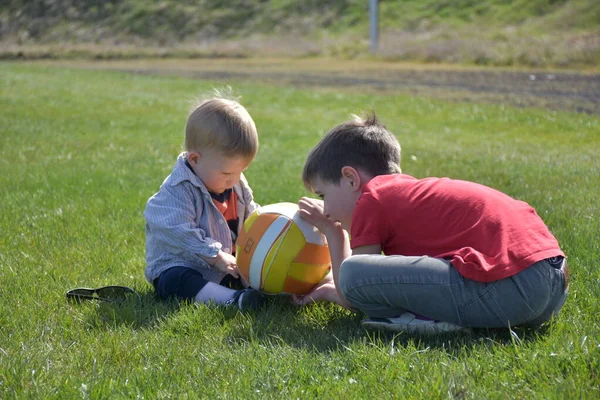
x,y
185,283
386,286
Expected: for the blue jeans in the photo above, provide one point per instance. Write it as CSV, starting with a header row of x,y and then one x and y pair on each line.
x,y
386,286
185,283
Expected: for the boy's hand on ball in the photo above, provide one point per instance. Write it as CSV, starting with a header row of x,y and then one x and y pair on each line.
x,y
312,211
226,263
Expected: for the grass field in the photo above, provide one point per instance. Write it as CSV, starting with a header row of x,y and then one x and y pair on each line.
x,y
80,153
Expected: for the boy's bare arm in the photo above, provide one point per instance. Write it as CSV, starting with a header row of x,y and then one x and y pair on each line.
x,y
337,239
339,248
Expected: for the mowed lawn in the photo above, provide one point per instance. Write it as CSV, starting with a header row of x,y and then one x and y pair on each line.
x,y
81,152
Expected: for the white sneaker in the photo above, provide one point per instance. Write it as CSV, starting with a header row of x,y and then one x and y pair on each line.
x,y
411,323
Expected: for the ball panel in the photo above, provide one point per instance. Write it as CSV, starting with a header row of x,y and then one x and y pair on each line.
x,y
310,273
254,228
250,220
287,209
270,270
295,286
313,254
275,271
311,233
263,247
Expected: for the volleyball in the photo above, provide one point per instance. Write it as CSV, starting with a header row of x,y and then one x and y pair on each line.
x,y
279,252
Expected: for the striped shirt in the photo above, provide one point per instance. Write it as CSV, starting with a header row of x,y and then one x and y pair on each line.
x,y
182,223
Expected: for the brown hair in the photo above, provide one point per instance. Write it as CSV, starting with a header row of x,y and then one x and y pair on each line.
x,y
222,124
360,143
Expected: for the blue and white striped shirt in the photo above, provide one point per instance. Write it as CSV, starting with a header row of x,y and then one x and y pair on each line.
x,y
182,222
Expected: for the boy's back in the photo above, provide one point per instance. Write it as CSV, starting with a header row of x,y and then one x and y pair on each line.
x,y
485,233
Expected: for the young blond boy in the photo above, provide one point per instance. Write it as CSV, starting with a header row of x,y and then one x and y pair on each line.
x,y
192,222
456,254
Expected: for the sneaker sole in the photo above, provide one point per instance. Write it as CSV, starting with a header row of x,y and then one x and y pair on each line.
x,y
251,301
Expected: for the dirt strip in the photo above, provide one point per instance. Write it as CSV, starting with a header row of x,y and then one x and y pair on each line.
x,y
569,91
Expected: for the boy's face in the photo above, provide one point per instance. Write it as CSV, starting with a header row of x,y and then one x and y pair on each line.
x,y
339,200
218,172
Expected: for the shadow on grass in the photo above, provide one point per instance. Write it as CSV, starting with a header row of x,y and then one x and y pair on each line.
x,y
136,313
326,328
319,327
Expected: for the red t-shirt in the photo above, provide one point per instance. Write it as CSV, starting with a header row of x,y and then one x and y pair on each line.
x,y
486,235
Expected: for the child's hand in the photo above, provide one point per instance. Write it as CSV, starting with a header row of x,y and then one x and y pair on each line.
x,y
312,211
226,263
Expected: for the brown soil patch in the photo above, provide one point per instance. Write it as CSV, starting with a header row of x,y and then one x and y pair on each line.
x,y
557,90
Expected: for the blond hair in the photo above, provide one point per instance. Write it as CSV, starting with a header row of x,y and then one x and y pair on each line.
x,y
221,124
362,143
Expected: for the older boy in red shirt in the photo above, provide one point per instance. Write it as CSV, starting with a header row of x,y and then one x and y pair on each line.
x,y
456,254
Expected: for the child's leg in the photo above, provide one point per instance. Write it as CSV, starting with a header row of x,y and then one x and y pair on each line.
x,y
558,272
189,284
243,298
215,293
530,297
386,286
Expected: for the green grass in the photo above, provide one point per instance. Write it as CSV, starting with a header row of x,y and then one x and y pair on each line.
x,y
80,153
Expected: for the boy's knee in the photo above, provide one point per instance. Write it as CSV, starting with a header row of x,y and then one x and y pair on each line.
x,y
350,271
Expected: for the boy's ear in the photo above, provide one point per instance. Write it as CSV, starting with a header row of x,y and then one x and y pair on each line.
x,y
193,157
351,177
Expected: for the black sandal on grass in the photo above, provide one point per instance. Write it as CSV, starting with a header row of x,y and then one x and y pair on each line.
x,y
111,294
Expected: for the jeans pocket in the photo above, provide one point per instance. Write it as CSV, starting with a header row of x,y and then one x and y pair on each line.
x,y
507,302
481,310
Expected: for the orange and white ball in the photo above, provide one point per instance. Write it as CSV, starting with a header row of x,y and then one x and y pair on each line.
x,y
279,252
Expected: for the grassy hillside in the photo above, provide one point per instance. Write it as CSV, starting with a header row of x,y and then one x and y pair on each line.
x,y
501,32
